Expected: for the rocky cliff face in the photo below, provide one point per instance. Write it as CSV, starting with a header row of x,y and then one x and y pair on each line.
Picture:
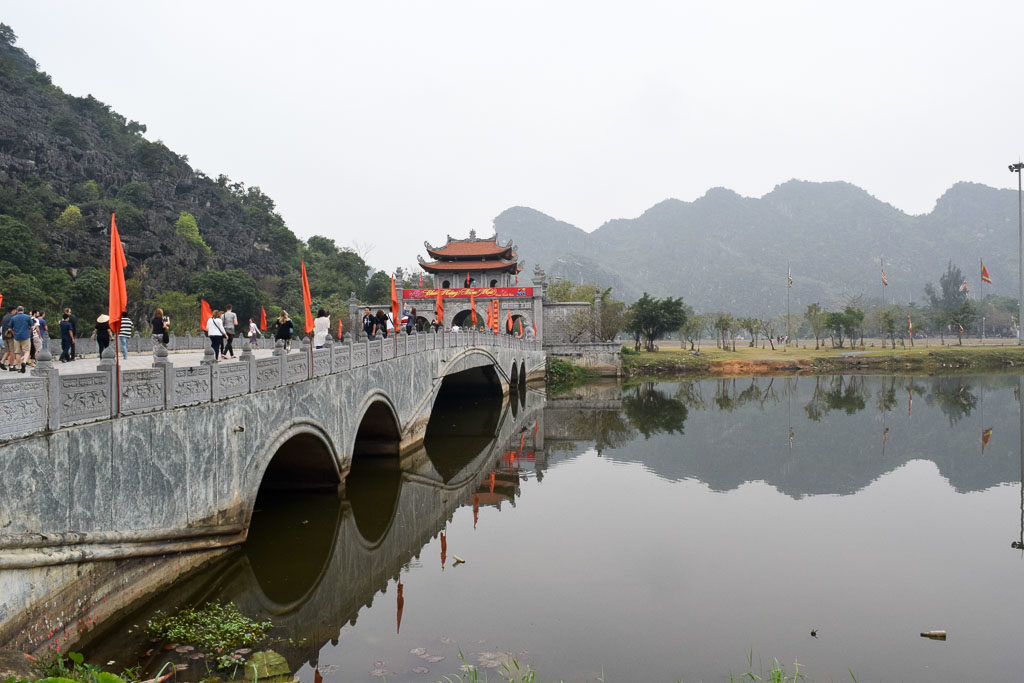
x,y
57,151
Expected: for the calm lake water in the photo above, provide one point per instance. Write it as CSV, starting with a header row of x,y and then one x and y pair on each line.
x,y
658,532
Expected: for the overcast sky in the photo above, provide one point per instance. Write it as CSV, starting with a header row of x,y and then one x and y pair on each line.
x,y
384,124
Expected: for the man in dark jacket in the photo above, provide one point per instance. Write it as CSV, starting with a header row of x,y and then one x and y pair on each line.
x,y
74,330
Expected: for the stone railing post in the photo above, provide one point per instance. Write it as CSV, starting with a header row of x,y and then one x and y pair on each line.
x,y
188,340
282,357
329,346
350,354
247,357
172,342
44,368
306,348
208,357
109,366
161,362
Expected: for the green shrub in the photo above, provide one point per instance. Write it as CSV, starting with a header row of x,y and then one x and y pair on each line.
x,y
71,219
187,227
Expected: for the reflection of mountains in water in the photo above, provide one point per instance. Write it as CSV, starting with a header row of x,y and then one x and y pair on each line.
x,y
318,561
847,430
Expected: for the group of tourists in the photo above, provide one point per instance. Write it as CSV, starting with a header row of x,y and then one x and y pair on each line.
x,y
22,336
381,322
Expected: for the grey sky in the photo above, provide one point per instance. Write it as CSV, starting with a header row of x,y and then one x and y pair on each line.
x,y
387,123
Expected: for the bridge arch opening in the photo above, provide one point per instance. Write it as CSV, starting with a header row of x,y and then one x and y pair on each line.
x,y
296,514
464,319
464,419
513,377
374,481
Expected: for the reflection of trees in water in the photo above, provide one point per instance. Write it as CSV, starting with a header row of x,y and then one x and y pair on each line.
x,y
887,396
650,411
848,393
609,428
953,396
731,394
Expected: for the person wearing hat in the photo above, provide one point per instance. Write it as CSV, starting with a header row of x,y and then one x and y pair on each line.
x,y
102,332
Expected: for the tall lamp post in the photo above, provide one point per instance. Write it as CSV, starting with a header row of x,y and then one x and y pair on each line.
x,y
1016,168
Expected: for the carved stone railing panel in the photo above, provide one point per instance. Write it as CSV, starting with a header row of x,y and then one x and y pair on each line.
x,y
387,349
142,391
23,406
268,373
360,353
230,379
374,351
192,385
321,362
341,356
296,367
85,398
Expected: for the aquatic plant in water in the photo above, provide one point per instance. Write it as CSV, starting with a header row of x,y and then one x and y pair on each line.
x,y
213,626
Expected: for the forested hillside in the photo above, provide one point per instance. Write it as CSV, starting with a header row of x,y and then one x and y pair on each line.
x,y
67,163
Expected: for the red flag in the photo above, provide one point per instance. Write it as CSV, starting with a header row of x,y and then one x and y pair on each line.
x,y
885,282
1,299
117,299
394,303
520,327
508,325
985,436
263,319
490,316
467,279
339,330
472,307
307,301
439,307
910,327
536,426
204,314
496,306
985,277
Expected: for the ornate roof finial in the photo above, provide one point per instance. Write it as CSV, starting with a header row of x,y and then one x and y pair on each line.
x,y
472,234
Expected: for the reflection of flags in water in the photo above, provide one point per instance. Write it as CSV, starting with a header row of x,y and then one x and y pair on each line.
x,y
885,282
789,276
985,277
885,436
910,326
986,434
961,328
910,404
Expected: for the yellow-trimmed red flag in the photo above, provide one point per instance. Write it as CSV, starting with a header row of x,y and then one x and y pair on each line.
x,y
985,436
117,299
985,277
307,301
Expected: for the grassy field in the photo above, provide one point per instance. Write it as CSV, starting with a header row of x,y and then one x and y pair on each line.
x,y
670,359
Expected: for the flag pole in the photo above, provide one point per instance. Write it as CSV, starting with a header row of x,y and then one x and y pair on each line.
x,y
789,286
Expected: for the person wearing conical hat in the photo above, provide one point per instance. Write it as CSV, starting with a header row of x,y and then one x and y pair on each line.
x,y
102,332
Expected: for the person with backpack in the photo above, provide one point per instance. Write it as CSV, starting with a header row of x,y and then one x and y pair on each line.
x,y
284,328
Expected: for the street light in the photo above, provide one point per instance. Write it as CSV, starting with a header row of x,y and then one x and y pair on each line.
x,y
1016,168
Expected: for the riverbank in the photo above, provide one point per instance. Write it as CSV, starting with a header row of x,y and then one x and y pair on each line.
x,y
746,361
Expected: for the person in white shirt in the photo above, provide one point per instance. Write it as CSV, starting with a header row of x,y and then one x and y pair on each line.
x,y
215,328
321,326
254,334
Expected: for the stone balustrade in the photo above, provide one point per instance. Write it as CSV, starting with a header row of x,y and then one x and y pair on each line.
x,y
48,400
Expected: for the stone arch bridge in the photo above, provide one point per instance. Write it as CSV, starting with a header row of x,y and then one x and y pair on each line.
x,y
108,465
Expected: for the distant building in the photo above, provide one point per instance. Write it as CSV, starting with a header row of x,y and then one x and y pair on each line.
x,y
473,262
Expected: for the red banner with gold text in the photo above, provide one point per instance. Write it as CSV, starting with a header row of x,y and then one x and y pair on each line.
x,y
464,293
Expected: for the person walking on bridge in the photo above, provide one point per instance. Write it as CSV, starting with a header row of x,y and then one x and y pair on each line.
x,y
73,319
230,320
67,338
369,324
284,329
8,336
102,333
21,324
215,329
124,333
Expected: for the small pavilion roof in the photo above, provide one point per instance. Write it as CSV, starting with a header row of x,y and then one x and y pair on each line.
x,y
476,265
471,249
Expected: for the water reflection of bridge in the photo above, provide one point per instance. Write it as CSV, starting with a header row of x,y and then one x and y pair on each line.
x,y
320,564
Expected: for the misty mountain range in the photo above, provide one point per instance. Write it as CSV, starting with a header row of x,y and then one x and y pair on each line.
x,y
728,252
